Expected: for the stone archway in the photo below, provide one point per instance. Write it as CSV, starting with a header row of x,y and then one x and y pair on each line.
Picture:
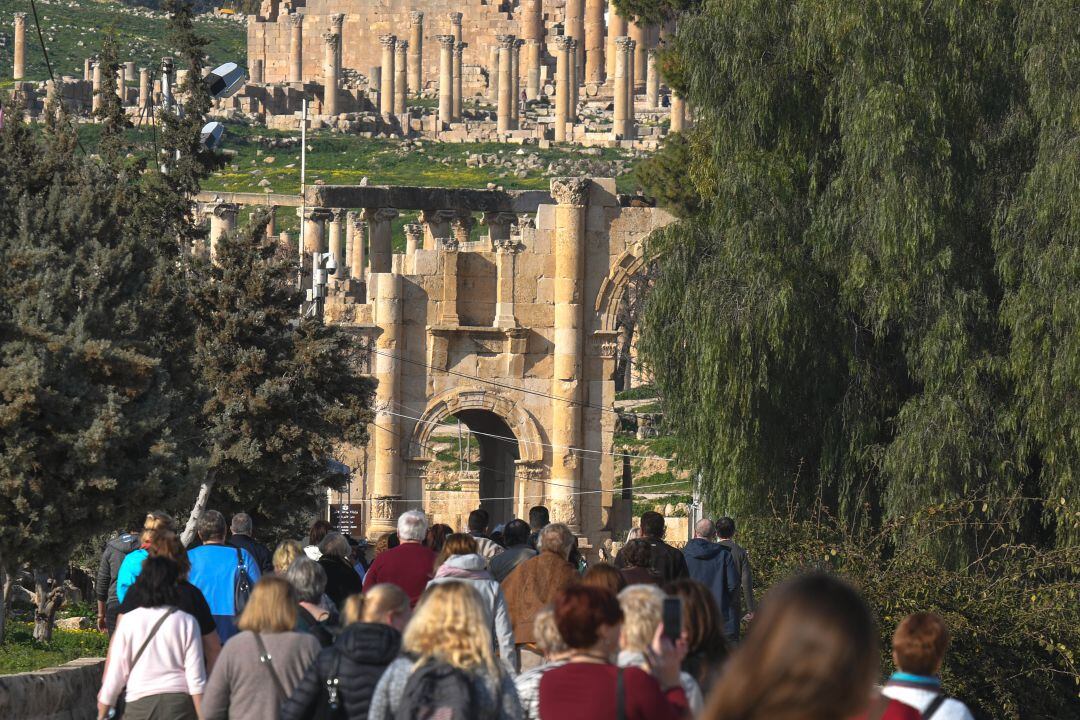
x,y
505,464
618,306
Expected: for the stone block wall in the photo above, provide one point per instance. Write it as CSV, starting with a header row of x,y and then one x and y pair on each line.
x,y
66,692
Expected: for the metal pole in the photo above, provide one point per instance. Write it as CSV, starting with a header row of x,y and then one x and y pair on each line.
x,y
303,180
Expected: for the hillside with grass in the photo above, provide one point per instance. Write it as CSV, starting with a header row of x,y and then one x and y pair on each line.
x,y
73,30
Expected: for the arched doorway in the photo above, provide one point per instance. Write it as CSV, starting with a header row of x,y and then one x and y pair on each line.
x,y
498,454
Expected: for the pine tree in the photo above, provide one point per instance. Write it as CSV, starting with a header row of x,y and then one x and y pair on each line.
x,y
281,393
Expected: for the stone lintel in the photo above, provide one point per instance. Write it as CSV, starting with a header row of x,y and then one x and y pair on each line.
x,y
427,198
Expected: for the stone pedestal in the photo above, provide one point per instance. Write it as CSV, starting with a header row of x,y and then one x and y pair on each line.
x,y
594,41
571,194
296,47
19,64
386,483
386,86
331,71
652,83
416,52
401,78
616,28
562,86
446,79
506,85
222,220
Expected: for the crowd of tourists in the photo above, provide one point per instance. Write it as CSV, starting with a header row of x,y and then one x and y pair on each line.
x,y
503,624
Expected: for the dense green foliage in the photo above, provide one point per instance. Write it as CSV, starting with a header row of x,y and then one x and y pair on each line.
x,y
19,652
1014,614
878,303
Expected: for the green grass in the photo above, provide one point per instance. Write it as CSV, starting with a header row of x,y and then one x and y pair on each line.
x,y
21,653
141,39
641,392
339,159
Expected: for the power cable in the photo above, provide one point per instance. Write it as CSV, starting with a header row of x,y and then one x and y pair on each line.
x,y
503,385
52,78
533,442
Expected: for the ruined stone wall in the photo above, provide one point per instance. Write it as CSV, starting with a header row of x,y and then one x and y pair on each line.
x,y
269,40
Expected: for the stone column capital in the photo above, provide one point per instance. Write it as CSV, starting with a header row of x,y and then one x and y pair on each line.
x,y
505,245
402,45
624,42
332,39
378,214
570,191
506,41
448,244
416,17
413,231
446,41
498,218
455,18
316,214
388,41
562,42
337,20
435,216
459,49
224,210
336,214
20,18
571,43
295,19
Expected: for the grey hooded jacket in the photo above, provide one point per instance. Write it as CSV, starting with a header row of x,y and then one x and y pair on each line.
x,y
115,551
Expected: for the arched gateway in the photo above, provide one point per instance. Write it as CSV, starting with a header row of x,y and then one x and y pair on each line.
x,y
507,329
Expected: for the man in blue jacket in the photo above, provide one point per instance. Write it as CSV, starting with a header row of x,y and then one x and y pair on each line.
x,y
215,570
711,565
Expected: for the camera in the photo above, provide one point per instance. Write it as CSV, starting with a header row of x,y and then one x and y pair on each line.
x,y
224,80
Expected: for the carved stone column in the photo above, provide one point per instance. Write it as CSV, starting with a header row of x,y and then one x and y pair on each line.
x,y
575,28
436,224
416,52
335,238
562,86
594,41
631,90
222,220
144,88
314,225
296,47
337,23
19,64
572,75
331,71
532,68
456,103
461,226
616,29
414,239
618,120
386,485
571,194
446,80
271,222
358,230
515,77
505,247
455,25
640,35
386,89
95,104
678,113
379,238
448,255
652,83
506,85
401,88
532,20
493,74
88,69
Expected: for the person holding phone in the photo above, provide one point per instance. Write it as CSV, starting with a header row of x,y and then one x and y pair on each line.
x,y
590,685
647,610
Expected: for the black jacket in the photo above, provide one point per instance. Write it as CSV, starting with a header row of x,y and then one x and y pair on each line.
x,y
341,580
746,577
115,551
667,562
263,557
357,659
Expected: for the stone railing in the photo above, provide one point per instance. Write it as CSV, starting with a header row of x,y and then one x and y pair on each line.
x,y
66,692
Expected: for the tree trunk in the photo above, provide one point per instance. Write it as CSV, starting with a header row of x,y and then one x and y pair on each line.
x,y
49,589
196,512
7,582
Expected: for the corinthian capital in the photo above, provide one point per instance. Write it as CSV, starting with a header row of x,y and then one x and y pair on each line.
x,y
570,190
295,19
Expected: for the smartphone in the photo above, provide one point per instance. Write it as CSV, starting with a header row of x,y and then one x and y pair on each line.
x,y
672,618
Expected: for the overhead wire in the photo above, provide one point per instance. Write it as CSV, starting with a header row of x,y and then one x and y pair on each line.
x,y
48,64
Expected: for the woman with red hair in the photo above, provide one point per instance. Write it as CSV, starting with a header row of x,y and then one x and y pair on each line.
x,y
590,685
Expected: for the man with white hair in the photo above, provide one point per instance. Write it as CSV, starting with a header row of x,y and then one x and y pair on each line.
x,y
410,565
243,538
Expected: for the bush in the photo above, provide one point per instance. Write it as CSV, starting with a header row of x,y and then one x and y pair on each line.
x,y
1013,613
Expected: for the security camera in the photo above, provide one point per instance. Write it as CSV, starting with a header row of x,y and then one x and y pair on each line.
x,y
224,80
211,135
166,65
331,265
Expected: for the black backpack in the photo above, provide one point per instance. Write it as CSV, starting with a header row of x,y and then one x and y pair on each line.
x,y
437,691
242,585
